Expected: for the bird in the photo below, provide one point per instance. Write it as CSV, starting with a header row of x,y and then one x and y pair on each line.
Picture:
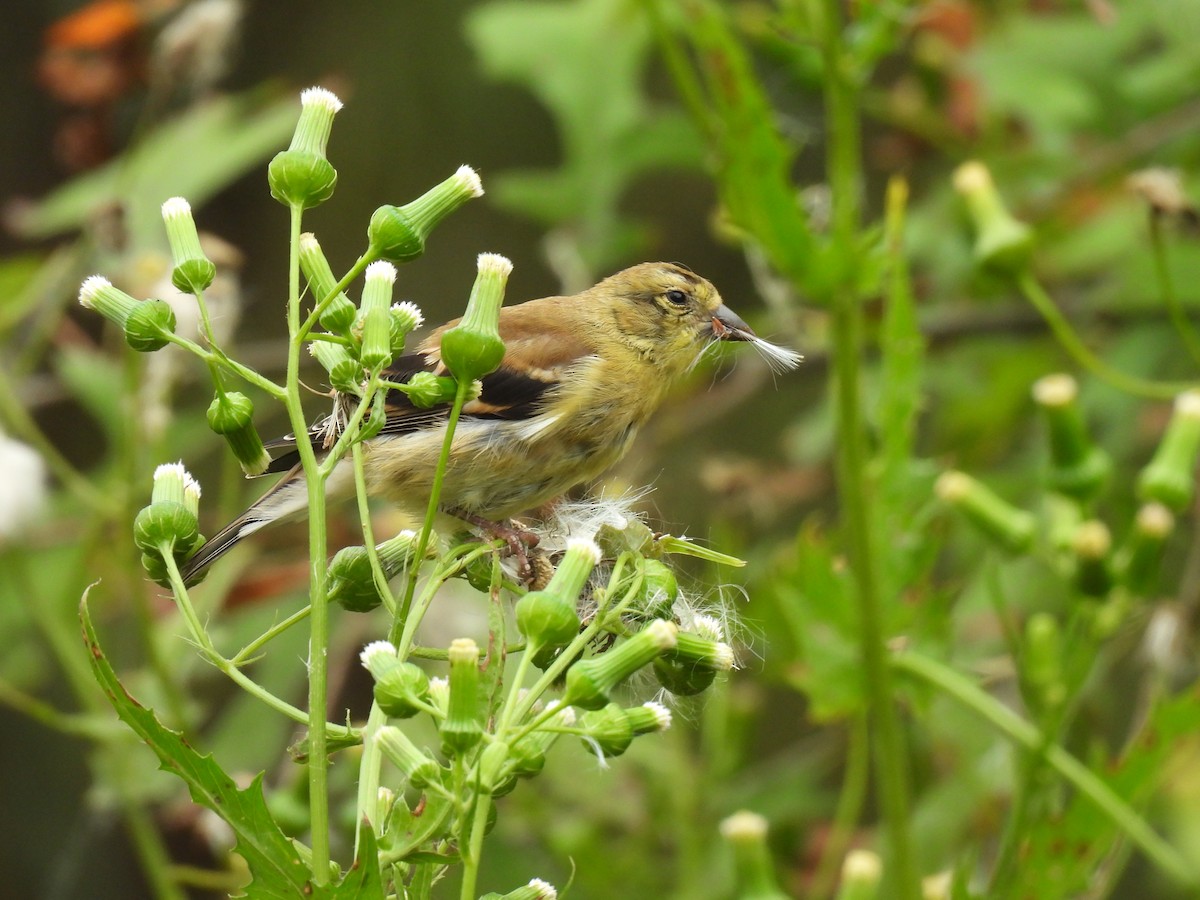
x,y
580,376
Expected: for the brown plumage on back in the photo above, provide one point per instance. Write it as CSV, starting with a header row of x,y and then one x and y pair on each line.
x,y
580,375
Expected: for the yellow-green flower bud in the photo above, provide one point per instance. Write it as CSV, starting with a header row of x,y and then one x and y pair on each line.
x,y
148,325
417,766
340,312
376,316
462,728
401,688
1078,468
1042,659
548,617
1092,544
535,890
607,729
660,588
404,318
352,580
529,753
1013,529
590,681
427,390
684,679
1170,477
862,871
746,833
1141,559
473,348
301,176
193,271
1001,242
493,766
232,416
345,372
170,521
398,233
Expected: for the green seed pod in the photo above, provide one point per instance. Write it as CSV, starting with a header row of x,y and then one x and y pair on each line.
x,y
232,416
609,728
660,589
193,271
399,233
462,728
1140,560
1011,528
1170,478
164,522
376,331
416,765
589,682
1078,468
301,176
402,691
683,679
473,348
148,325
427,390
1001,242
746,834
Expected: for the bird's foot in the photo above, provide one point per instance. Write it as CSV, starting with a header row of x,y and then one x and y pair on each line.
x,y
519,540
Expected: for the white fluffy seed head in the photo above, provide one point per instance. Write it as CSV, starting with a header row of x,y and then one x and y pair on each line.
x,y
494,262
92,286
470,180
662,715
376,649
381,270
586,546
176,208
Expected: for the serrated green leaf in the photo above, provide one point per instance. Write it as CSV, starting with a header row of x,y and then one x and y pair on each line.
x,y
275,866
364,881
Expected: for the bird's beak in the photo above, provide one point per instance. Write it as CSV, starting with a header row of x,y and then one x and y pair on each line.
x,y
726,326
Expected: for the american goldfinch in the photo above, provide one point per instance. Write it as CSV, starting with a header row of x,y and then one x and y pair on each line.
x,y
579,377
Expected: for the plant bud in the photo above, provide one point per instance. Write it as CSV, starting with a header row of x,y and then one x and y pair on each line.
x,y
403,319
345,372
416,765
147,327
493,763
1078,468
301,176
547,617
590,681
660,587
473,348
427,390
399,233
193,271
401,688
232,416
462,728
608,728
1043,659
1092,543
97,293
529,753
169,522
862,871
352,580
746,833
376,330
1001,242
535,890
684,679
1170,476
339,314
694,649
1141,559
1011,528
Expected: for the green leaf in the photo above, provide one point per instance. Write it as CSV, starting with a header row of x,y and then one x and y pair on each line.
x,y
275,867
364,881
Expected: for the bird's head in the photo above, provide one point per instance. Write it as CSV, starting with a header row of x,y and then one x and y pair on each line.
x,y
674,314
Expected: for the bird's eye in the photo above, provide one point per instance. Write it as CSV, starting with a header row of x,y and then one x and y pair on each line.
x,y
679,298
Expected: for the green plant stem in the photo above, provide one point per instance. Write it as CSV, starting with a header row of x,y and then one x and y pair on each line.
x,y
1179,317
318,642
404,626
246,655
1033,291
1083,779
849,808
483,803
844,167
208,357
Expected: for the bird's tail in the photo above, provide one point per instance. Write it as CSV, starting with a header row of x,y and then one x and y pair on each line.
x,y
287,499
